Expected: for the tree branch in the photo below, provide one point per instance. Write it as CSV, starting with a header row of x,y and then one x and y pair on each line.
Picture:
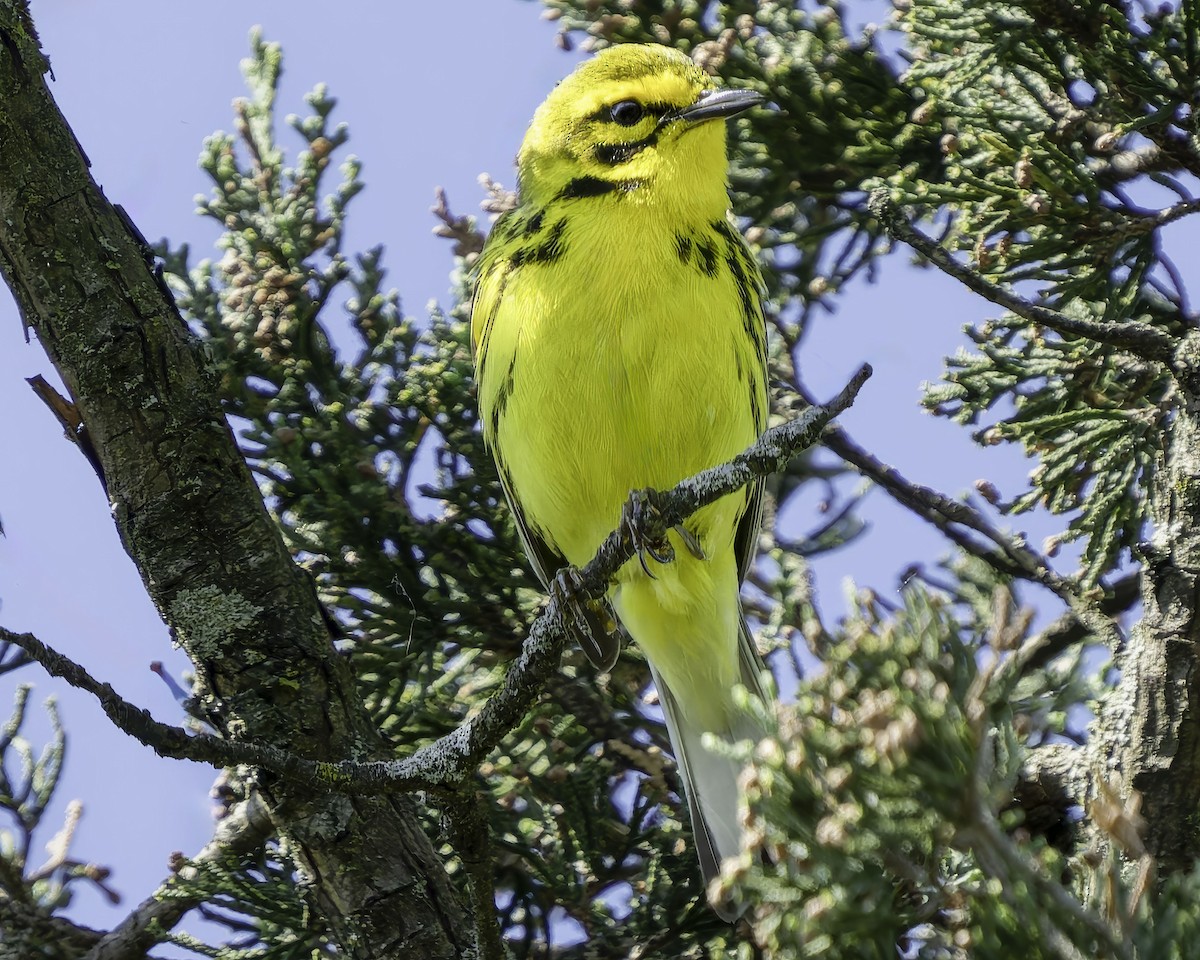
x,y
472,840
1138,338
444,764
243,831
1012,556
24,924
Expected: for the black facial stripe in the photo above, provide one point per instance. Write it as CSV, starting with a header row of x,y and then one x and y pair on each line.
x,y
595,187
613,153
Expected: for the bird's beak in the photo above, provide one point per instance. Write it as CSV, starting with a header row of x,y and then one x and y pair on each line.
x,y
719,104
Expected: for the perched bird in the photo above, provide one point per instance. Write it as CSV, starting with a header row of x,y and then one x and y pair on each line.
x,y
619,345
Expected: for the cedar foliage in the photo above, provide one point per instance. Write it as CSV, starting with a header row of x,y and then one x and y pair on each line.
x,y
1047,145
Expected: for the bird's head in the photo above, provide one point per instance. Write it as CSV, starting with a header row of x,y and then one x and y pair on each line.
x,y
634,117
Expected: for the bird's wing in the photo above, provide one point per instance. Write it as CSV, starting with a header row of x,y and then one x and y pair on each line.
x,y
745,541
491,278
545,560
600,643
749,277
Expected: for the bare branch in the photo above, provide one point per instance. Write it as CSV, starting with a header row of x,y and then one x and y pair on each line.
x,y
1138,338
1012,556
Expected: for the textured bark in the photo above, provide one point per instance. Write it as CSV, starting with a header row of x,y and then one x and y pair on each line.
x,y
1150,725
193,521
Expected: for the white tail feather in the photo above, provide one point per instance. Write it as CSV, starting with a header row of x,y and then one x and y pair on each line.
x,y
710,779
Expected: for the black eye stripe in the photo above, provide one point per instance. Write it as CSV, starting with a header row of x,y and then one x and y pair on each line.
x,y
612,154
660,110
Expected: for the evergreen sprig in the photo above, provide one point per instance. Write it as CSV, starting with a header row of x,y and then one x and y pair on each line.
x,y
1056,120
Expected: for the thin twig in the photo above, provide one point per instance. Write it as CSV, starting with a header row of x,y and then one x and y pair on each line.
x,y
442,765
1066,631
71,420
1012,556
243,831
1176,211
1138,338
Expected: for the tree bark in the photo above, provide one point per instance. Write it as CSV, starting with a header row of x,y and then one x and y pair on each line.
x,y
192,519
1149,726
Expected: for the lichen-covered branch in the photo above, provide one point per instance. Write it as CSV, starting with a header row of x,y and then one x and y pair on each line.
x,y
444,764
1147,733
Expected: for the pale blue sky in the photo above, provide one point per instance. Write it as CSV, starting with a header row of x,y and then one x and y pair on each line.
x,y
433,96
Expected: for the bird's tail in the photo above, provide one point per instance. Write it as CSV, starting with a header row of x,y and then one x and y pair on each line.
x,y
710,779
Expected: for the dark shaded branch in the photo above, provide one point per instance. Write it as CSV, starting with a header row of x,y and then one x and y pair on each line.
x,y
12,659
442,765
69,418
1056,773
1067,630
1177,211
472,840
1138,338
24,924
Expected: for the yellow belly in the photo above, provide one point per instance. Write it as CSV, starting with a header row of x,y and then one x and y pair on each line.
x,y
628,371
609,370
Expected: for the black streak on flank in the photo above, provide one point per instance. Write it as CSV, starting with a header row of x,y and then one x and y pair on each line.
x,y
706,256
534,223
683,247
505,391
547,251
737,256
742,274
756,407
614,153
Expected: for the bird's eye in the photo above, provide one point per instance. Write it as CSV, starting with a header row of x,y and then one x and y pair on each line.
x,y
627,112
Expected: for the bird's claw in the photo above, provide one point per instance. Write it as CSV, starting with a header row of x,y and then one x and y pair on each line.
x,y
691,541
589,621
636,514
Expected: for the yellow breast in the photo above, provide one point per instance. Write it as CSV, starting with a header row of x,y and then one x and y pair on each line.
x,y
610,366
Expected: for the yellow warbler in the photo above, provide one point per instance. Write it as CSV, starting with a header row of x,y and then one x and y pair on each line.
x,y
620,344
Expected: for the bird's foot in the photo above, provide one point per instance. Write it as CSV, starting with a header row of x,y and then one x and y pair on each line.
x,y
691,541
590,621
637,514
